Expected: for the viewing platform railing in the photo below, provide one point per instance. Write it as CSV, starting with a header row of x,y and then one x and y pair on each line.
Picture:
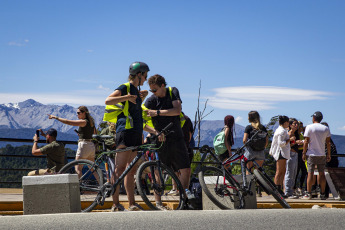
x,y
68,158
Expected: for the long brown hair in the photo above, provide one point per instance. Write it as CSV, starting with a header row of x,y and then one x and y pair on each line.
x,y
229,121
85,110
254,119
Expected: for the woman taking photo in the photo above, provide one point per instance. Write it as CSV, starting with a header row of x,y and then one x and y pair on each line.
x,y
280,150
86,148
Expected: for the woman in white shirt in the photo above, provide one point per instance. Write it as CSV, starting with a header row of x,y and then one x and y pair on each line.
x,y
280,150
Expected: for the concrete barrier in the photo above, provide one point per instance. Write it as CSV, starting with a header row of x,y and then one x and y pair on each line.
x,y
249,200
51,194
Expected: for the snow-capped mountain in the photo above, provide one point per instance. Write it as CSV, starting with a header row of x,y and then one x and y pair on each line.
x,y
33,115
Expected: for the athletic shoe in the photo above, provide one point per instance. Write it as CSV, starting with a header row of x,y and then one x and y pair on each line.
x,y
135,207
299,192
118,208
307,196
292,197
173,192
323,196
162,208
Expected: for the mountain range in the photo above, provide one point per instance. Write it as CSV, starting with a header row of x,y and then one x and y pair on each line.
x,y
20,120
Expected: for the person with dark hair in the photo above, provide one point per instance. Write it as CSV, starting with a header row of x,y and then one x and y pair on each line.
x,y
54,151
229,128
188,136
301,167
280,150
86,124
164,107
255,150
291,164
123,107
316,136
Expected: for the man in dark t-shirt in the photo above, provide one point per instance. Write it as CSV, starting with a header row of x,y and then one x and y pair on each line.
x,y
187,130
164,107
54,151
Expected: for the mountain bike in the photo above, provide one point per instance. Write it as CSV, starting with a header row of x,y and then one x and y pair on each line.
x,y
94,189
225,191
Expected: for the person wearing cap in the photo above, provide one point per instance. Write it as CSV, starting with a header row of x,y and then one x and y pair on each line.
x,y
54,151
317,136
129,128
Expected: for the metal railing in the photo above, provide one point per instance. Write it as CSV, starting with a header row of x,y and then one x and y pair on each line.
x,y
68,158
26,156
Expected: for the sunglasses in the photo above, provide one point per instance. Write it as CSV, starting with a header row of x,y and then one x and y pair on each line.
x,y
153,90
79,113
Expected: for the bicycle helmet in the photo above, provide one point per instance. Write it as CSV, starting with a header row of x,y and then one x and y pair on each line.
x,y
138,67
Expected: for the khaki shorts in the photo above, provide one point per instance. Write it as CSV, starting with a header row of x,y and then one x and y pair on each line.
x,y
86,150
319,161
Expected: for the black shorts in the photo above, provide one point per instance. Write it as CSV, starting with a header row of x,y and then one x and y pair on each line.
x,y
281,156
174,154
224,156
190,155
129,138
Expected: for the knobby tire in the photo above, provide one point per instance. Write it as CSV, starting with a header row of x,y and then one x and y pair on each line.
x,y
88,198
149,187
225,196
268,186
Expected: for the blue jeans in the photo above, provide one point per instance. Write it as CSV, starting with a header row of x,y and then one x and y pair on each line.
x,y
290,174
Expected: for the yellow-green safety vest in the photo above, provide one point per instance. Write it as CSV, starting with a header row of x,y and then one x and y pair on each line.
x,y
148,120
113,111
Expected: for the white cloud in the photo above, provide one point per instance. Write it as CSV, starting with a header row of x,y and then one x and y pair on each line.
x,y
89,51
19,44
238,119
342,128
261,97
101,87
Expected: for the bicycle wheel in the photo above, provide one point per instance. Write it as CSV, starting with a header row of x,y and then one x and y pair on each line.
x,y
270,187
154,184
89,185
223,192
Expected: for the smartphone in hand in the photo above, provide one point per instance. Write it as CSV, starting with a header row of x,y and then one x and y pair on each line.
x,y
37,133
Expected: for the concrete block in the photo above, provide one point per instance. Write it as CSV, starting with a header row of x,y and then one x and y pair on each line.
x,y
51,194
249,200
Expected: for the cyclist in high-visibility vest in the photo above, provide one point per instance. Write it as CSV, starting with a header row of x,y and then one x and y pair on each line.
x,y
124,109
163,109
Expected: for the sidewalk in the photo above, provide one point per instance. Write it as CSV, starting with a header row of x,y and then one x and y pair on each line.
x,y
11,202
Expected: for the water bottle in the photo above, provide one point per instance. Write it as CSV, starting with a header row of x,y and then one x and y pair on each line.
x,y
189,194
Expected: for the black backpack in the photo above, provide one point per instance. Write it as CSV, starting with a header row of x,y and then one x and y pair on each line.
x,y
259,141
196,190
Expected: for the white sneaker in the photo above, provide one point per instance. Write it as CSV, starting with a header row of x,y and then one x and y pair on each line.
x,y
173,192
162,208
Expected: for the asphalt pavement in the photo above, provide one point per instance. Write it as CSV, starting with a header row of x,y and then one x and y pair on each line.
x,y
324,218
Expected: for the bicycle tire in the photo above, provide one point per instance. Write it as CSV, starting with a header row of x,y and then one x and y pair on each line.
x,y
148,188
266,184
89,199
226,195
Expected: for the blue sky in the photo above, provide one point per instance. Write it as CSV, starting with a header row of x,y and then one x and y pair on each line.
x,y
277,57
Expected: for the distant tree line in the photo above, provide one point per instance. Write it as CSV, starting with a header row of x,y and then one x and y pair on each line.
x,y
20,163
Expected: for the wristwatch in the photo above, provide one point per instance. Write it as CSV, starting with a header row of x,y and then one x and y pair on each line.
x,y
158,112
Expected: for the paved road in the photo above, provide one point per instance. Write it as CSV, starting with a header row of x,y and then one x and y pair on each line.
x,y
232,219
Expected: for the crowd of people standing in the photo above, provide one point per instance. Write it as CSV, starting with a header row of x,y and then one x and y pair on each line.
x,y
128,116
